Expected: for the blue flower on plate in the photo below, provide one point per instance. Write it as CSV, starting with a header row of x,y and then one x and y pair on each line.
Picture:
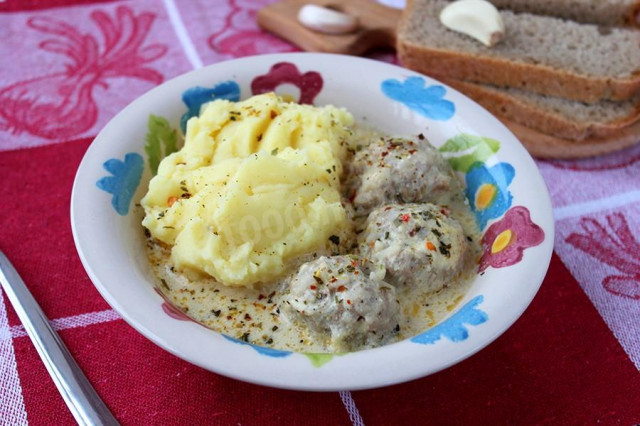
x,y
275,353
195,97
124,182
454,327
488,190
427,101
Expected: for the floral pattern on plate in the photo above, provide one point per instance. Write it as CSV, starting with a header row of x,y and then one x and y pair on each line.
x,y
427,101
454,328
309,83
505,241
274,353
161,141
473,149
124,181
488,191
195,97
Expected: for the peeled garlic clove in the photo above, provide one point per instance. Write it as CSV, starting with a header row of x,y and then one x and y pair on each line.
x,y
324,20
476,18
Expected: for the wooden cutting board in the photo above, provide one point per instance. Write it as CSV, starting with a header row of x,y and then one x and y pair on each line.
x,y
377,26
377,29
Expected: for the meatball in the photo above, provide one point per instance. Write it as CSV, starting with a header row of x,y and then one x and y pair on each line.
x,y
343,303
394,170
418,244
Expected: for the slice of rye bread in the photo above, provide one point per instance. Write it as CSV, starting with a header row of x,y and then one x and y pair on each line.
x,y
613,13
543,54
557,117
545,146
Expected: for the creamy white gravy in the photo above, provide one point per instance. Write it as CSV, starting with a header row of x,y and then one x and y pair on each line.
x,y
252,315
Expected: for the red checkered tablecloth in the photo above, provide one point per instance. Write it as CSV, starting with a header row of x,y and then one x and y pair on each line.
x,y
572,358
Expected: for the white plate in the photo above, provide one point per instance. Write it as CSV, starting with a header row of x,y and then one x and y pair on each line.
x,y
110,240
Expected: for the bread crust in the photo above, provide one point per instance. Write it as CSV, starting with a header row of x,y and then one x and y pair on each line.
x,y
504,72
628,17
633,16
544,121
545,146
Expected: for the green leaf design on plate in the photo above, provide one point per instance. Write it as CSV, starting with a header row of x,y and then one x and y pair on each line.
x,y
162,140
318,360
475,148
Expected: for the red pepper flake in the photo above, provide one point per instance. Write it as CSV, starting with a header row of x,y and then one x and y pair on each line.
x,y
405,217
247,317
430,246
341,289
386,209
333,279
260,296
413,151
348,302
171,200
444,212
354,263
273,114
384,154
313,287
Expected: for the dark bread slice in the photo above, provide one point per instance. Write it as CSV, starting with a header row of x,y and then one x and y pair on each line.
x,y
542,54
557,117
545,146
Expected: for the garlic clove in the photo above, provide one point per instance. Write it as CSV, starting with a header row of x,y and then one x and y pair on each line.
x,y
476,18
324,20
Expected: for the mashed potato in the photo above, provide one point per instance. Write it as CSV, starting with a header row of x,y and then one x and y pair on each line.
x,y
256,185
